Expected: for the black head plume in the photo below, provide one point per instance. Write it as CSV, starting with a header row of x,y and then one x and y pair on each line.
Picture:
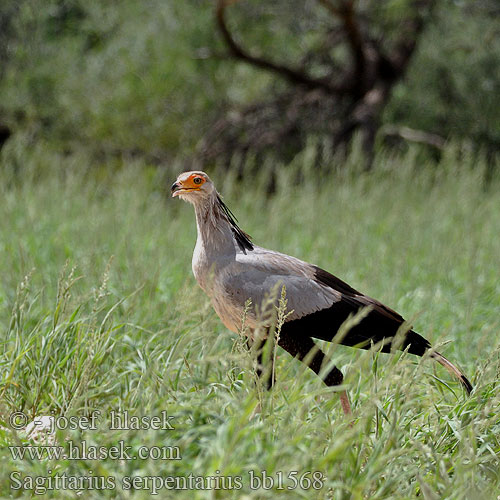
x,y
242,238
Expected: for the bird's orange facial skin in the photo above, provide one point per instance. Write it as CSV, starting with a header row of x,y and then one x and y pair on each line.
x,y
191,183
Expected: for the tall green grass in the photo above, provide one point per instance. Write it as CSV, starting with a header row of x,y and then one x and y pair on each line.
x,y
99,310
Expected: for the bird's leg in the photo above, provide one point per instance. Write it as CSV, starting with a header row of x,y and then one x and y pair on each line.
x,y
308,352
265,373
344,401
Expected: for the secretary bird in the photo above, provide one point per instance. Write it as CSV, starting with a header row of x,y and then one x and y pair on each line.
x,y
231,270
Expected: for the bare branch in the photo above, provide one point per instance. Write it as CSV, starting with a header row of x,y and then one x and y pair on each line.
x,y
410,32
331,7
345,12
292,75
412,135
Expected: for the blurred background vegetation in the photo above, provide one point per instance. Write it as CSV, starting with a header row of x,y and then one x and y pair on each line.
x,y
160,79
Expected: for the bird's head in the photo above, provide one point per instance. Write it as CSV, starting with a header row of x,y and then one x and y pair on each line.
x,y
194,187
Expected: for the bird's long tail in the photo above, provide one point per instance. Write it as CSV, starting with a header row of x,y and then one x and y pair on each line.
x,y
453,370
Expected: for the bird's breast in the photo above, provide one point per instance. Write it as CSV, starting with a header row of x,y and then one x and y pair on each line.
x,y
231,314
201,266
211,276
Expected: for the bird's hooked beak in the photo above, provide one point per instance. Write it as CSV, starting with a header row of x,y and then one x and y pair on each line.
x,y
175,189
184,185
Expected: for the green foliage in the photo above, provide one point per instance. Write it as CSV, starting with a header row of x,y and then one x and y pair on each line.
x,y
118,76
150,77
99,310
454,82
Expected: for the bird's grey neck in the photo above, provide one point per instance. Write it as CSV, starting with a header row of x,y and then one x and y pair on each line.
x,y
214,230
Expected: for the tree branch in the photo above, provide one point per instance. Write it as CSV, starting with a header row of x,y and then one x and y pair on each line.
x,y
292,75
345,12
410,32
412,135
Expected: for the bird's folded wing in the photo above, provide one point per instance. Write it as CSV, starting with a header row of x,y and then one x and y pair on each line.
x,y
309,290
255,275
304,296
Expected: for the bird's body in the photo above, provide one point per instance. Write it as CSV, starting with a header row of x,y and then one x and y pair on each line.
x,y
235,279
231,270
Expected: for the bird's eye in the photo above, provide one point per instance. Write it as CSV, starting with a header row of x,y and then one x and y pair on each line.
x,y
198,180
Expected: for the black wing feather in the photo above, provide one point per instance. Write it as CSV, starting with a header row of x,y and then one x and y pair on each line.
x,y
380,325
